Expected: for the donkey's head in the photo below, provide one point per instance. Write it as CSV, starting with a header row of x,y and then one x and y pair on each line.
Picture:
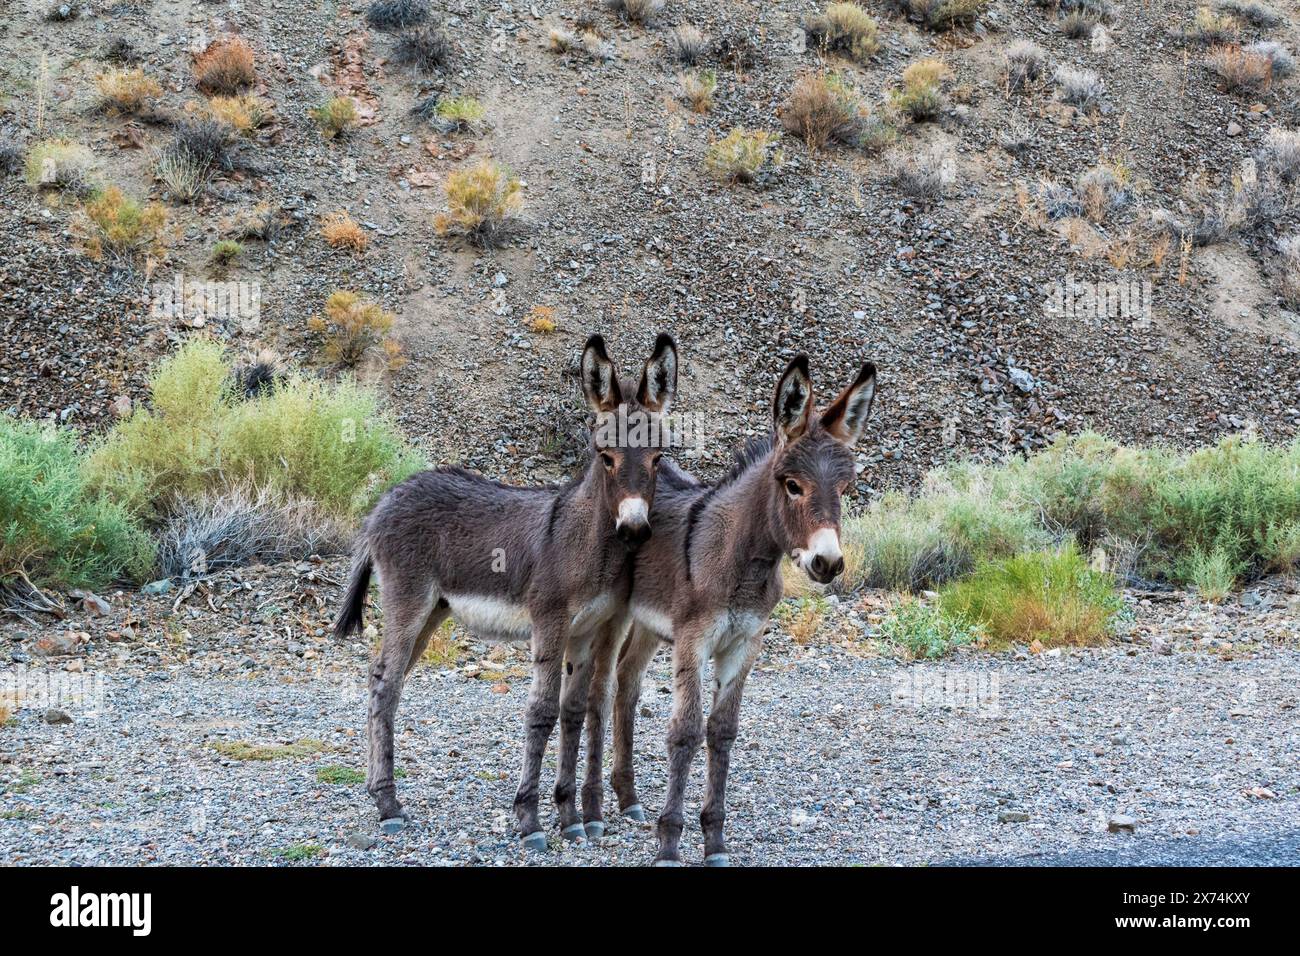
x,y
629,435
813,465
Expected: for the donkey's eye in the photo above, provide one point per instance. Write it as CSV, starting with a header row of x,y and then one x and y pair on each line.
x,y
607,461
792,488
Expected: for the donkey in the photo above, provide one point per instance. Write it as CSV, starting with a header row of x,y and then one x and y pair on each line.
x,y
550,564
711,575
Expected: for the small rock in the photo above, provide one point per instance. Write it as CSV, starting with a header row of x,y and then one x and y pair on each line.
x,y
96,605
1234,128
361,841
121,406
60,645
158,587
56,716
1120,823
1013,816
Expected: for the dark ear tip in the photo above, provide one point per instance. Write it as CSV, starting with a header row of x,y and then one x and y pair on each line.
x,y
596,343
799,362
868,371
664,342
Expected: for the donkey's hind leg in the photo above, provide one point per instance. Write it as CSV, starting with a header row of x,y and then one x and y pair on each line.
x,y
603,665
574,691
410,617
637,651
543,708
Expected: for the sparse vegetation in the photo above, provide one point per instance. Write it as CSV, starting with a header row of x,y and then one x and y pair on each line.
x,y
56,531
587,43
59,164
1024,64
920,98
802,618
341,231
686,45
336,116
424,49
1281,154
352,327
541,319
1077,25
643,12
1210,28
926,176
457,114
245,113
1058,201
1256,14
335,774
243,750
698,89
939,14
922,631
126,91
823,108
1280,59
1082,89
397,14
743,156
121,227
303,439
1289,249
1051,598
845,28
1240,71
1102,189
226,251
185,177
226,67
483,202
120,50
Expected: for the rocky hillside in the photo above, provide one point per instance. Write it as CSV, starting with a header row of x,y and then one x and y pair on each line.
x,y
932,248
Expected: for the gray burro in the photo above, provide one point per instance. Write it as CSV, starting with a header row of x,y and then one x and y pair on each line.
x,y
548,564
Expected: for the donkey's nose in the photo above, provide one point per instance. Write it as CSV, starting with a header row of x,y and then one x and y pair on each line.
x,y
824,569
632,534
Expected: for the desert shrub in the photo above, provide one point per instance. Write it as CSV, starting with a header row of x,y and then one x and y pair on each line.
x,y
352,327
698,88
396,14
802,617
336,116
939,14
13,153
120,50
423,48
184,176
1289,284
457,114
1251,200
246,113
207,144
260,222
238,526
1103,189
1212,573
743,156
59,164
126,91
920,97
1057,200
845,28
1097,10
686,45
1210,28
822,108
1052,597
1080,88
636,11
925,176
1281,154
54,530
586,43
1256,14
483,202
341,231
1024,63
226,251
120,226
61,11
923,631
1280,59
304,439
1238,70
1077,25
226,67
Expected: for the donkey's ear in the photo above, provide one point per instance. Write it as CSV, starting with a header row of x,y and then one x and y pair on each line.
x,y
599,380
847,415
658,385
793,402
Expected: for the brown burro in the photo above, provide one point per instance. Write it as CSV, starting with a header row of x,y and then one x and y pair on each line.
x,y
708,580
548,564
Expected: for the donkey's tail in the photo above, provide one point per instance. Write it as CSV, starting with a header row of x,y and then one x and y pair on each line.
x,y
354,601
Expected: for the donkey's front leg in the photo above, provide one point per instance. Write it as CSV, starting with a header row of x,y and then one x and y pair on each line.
x,y
603,662
574,692
543,707
685,730
730,668
637,652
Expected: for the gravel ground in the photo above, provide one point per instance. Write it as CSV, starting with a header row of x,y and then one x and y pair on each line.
x,y
847,755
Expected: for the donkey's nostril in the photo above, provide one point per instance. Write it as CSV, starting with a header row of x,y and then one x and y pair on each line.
x,y
632,534
837,568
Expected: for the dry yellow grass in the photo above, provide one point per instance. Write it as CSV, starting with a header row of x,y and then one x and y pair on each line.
x,y
352,326
481,201
226,67
126,91
341,231
246,112
121,226
336,116
542,319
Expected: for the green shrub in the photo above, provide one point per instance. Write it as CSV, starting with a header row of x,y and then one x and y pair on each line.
x,y
923,630
52,529
1053,597
743,156
304,439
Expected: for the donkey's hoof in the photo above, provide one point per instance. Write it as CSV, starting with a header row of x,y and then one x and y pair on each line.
x,y
574,833
668,862
595,830
392,825
534,841
718,859
636,812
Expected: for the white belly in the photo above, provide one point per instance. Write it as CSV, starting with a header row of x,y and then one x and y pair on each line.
x,y
594,613
653,620
490,616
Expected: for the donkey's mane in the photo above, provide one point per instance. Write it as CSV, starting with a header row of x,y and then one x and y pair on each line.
x,y
747,456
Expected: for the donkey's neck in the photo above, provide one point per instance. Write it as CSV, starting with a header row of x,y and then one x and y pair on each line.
x,y
749,532
587,513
